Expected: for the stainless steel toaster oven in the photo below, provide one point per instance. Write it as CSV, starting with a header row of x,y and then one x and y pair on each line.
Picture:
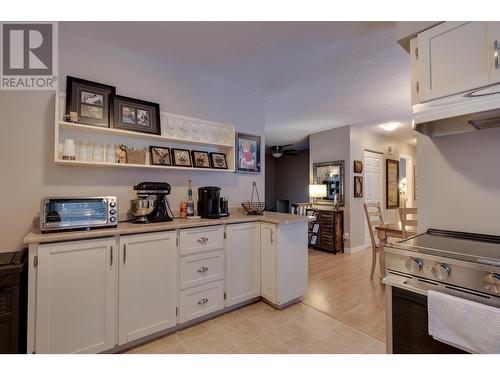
x,y
61,213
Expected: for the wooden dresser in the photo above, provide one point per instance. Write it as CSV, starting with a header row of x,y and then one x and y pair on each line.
x,y
331,230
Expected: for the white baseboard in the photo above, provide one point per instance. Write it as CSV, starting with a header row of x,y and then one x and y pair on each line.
x,y
356,249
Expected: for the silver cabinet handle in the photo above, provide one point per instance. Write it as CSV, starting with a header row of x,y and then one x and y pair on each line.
x,y
272,236
496,46
202,269
111,257
202,301
202,240
124,253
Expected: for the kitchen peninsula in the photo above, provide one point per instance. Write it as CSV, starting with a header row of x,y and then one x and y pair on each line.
x,y
106,290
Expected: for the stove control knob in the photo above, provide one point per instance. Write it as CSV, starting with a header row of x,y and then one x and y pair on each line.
x,y
441,271
414,265
491,283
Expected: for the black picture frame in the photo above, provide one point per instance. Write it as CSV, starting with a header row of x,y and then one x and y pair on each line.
x,y
158,158
358,187
135,115
313,240
247,153
315,228
82,97
195,159
215,163
391,184
174,159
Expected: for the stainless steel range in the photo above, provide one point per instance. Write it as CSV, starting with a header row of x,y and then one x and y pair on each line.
x,y
465,265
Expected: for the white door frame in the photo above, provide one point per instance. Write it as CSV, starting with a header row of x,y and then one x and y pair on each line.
x,y
409,179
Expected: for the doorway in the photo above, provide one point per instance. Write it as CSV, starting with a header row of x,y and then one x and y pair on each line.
x,y
374,183
406,180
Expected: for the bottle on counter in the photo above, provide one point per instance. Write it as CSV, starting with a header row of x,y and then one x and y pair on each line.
x,y
190,203
183,210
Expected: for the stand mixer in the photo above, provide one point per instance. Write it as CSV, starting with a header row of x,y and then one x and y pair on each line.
x,y
151,204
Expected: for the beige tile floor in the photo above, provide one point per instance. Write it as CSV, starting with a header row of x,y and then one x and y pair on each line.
x,y
260,329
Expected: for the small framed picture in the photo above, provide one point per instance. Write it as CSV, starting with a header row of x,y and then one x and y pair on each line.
x,y
315,228
247,153
135,115
90,100
358,166
160,155
313,241
200,159
218,160
358,187
181,158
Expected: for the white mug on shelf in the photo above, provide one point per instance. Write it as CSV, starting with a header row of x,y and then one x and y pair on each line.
x,y
69,149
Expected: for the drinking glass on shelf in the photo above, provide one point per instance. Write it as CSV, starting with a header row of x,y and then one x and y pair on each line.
x,y
98,152
83,151
110,154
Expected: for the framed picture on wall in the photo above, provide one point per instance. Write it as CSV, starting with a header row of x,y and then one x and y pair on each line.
x,y
247,153
313,241
392,183
90,100
135,115
358,187
358,166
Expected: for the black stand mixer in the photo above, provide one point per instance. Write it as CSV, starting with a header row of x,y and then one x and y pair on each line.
x,y
151,204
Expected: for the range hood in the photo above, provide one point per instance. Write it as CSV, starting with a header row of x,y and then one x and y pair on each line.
x,y
462,113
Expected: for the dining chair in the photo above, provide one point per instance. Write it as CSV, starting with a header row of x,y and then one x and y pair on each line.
x,y
408,220
374,216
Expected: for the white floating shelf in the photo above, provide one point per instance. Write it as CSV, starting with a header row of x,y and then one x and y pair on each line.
x,y
136,135
83,163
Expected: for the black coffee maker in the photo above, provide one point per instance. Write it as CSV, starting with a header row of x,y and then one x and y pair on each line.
x,y
208,202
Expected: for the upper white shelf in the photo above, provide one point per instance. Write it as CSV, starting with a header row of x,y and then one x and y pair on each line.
x,y
135,135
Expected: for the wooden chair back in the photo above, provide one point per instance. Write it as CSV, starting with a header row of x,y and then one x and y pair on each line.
x,y
408,221
374,216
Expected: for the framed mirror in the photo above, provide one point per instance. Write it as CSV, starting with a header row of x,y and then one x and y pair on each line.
x,y
331,174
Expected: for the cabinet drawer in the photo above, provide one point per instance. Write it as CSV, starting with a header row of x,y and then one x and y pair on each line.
x,y
202,239
201,300
201,268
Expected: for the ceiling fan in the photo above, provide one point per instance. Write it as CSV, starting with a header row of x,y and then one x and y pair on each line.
x,y
279,151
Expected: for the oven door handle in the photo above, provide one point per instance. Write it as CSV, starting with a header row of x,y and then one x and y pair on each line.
x,y
403,282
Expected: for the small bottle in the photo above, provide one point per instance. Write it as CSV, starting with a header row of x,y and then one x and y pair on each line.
x,y
183,210
190,203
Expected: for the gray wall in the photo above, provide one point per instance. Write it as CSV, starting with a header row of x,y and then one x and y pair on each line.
x,y
460,182
27,133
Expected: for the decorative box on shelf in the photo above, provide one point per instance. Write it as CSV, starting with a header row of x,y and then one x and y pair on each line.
x,y
176,132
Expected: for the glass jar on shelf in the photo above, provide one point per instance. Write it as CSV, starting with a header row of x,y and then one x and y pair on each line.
x,y
98,152
83,151
110,153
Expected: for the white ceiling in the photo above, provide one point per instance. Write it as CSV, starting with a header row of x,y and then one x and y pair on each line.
x,y
314,75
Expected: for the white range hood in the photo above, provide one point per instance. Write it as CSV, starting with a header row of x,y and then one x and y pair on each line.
x,y
461,113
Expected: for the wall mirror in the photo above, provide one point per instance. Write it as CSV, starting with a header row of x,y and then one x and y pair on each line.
x,y
330,173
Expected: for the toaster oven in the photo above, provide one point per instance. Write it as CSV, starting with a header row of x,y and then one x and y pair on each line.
x,y
62,213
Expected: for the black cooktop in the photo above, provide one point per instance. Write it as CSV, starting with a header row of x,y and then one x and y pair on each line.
x,y
471,247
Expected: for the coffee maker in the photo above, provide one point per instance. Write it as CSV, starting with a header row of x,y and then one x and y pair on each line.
x,y
151,204
209,202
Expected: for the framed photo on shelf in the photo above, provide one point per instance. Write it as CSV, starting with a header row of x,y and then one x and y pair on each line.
x,y
135,115
218,160
90,100
247,153
315,228
181,158
200,159
160,155
313,241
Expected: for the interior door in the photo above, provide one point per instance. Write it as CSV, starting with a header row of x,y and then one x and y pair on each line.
x,y
374,185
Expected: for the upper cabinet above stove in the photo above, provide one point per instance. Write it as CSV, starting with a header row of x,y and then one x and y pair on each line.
x,y
454,57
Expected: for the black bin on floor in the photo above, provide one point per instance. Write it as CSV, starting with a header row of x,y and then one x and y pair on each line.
x,y
13,302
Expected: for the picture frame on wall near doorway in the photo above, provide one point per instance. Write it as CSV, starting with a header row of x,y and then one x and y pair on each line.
x,y
392,184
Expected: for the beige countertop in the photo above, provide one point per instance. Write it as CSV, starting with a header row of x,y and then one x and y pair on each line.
x,y
124,228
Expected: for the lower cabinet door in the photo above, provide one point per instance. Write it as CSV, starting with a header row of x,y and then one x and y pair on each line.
x,y
242,262
76,297
201,300
148,284
268,262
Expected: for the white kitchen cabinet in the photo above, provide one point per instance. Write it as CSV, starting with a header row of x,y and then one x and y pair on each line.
x,y
494,50
76,297
242,262
452,57
284,266
201,300
198,240
148,284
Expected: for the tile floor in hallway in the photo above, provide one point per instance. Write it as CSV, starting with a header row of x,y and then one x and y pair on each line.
x,y
259,328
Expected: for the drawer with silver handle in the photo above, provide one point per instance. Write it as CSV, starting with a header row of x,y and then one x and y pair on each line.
x,y
201,300
196,240
201,268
